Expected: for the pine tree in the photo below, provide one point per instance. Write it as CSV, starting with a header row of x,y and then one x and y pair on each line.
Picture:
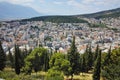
x,y
17,60
2,57
97,67
73,57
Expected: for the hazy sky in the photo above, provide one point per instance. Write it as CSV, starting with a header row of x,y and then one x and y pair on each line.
x,y
67,7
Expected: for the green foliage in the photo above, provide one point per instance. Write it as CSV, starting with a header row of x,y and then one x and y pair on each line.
x,y
83,64
59,63
10,75
54,74
74,58
87,59
111,70
2,57
17,60
114,29
112,15
48,38
57,19
97,67
90,58
107,59
38,60
11,59
96,53
97,25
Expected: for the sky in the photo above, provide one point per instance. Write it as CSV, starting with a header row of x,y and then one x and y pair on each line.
x,y
67,7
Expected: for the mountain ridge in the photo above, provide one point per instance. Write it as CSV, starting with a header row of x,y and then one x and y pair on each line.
x,y
13,11
77,18
102,14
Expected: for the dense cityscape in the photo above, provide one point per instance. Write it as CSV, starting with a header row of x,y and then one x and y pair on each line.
x,y
59,40
57,36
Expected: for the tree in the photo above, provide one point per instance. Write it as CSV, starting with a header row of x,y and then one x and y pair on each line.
x,y
38,60
83,64
111,70
36,63
90,58
73,57
97,67
11,58
54,74
59,63
96,53
2,57
86,56
107,59
17,60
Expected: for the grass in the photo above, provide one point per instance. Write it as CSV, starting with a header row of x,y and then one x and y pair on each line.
x,y
9,74
84,76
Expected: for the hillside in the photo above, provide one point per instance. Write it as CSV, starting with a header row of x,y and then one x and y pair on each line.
x,y
114,13
103,14
57,19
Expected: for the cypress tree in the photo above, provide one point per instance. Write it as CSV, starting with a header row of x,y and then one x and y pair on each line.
x,y
97,67
46,61
83,64
2,57
73,57
96,53
36,63
107,59
10,56
17,60
86,56
90,58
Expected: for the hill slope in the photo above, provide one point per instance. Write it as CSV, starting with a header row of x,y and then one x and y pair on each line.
x,y
103,14
57,19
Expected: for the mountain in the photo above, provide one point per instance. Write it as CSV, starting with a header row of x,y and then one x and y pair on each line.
x,y
12,11
114,13
57,19
103,14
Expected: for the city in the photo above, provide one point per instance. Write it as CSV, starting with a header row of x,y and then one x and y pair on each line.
x,y
57,36
59,40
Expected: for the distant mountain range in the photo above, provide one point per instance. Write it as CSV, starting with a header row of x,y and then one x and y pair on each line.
x,y
114,13
11,11
57,19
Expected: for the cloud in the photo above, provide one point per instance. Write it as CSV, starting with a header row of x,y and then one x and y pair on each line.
x,y
17,1
85,6
58,2
80,6
22,2
28,3
67,6
88,1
